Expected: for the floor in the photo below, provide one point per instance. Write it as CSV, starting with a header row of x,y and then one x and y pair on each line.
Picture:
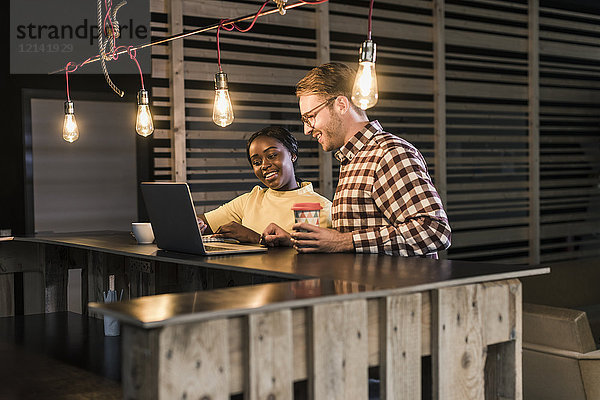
x,y
55,356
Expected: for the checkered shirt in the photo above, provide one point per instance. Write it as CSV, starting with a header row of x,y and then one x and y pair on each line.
x,y
385,197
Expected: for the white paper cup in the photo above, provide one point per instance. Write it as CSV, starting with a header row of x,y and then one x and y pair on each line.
x,y
143,232
307,212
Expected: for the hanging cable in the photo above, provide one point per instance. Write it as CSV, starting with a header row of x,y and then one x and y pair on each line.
x,y
370,18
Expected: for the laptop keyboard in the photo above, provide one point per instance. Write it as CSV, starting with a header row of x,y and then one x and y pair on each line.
x,y
214,248
211,238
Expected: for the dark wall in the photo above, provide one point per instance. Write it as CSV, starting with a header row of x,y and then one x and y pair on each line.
x,y
16,197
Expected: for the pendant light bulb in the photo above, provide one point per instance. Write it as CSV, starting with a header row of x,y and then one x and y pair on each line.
x,y
222,109
364,91
70,129
143,122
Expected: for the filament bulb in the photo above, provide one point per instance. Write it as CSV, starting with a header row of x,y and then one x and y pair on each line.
x,y
364,91
143,122
70,130
222,109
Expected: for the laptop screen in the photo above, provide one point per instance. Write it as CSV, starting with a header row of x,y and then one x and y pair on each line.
x,y
173,216
174,220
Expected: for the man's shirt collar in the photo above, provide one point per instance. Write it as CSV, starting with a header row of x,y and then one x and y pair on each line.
x,y
349,150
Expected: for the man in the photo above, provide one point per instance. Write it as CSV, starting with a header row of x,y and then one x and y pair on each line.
x,y
385,201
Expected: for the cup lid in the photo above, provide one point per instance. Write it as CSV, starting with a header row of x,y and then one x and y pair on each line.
x,y
306,206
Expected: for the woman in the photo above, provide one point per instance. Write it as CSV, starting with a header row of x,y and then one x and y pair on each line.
x,y
273,154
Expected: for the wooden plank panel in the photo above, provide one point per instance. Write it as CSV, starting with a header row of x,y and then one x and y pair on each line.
x,y
483,40
439,96
401,347
56,267
339,351
359,12
176,83
139,369
194,361
517,15
252,56
498,309
404,30
95,274
486,75
30,260
488,236
236,73
581,21
458,348
33,292
567,95
323,56
486,27
270,354
487,90
503,322
141,277
7,293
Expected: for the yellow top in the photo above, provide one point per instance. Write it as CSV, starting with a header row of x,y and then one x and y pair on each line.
x,y
260,207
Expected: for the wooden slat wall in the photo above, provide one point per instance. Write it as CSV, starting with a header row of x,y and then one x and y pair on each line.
x,y
569,134
485,172
487,129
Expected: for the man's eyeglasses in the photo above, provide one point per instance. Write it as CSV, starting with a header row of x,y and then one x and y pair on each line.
x,y
308,118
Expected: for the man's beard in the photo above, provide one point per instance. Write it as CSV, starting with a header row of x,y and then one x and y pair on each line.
x,y
333,133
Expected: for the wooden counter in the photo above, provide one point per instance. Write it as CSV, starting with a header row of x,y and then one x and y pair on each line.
x,y
328,319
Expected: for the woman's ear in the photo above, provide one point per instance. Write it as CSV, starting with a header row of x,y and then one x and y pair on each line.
x,y
294,157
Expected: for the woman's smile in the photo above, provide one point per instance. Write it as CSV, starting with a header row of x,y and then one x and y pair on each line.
x,y
271,175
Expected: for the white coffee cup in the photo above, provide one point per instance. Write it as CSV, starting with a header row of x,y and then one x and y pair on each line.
x,y
143,232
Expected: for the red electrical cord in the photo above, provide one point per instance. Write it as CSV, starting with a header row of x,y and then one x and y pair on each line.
x,y
67,78
313,2
234,26
370,16
132,55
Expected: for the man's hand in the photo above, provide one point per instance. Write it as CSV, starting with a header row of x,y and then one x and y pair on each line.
x,y
274,235
233,230
320,240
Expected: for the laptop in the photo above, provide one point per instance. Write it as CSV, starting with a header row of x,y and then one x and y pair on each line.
x,y
175,225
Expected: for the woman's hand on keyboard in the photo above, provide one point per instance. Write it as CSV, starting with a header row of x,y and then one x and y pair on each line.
x,y
202,225
234,230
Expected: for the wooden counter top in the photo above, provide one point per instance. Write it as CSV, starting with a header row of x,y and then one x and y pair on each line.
x,y
319,276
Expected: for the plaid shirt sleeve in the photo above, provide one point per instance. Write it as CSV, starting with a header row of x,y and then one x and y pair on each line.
x,y
404,193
